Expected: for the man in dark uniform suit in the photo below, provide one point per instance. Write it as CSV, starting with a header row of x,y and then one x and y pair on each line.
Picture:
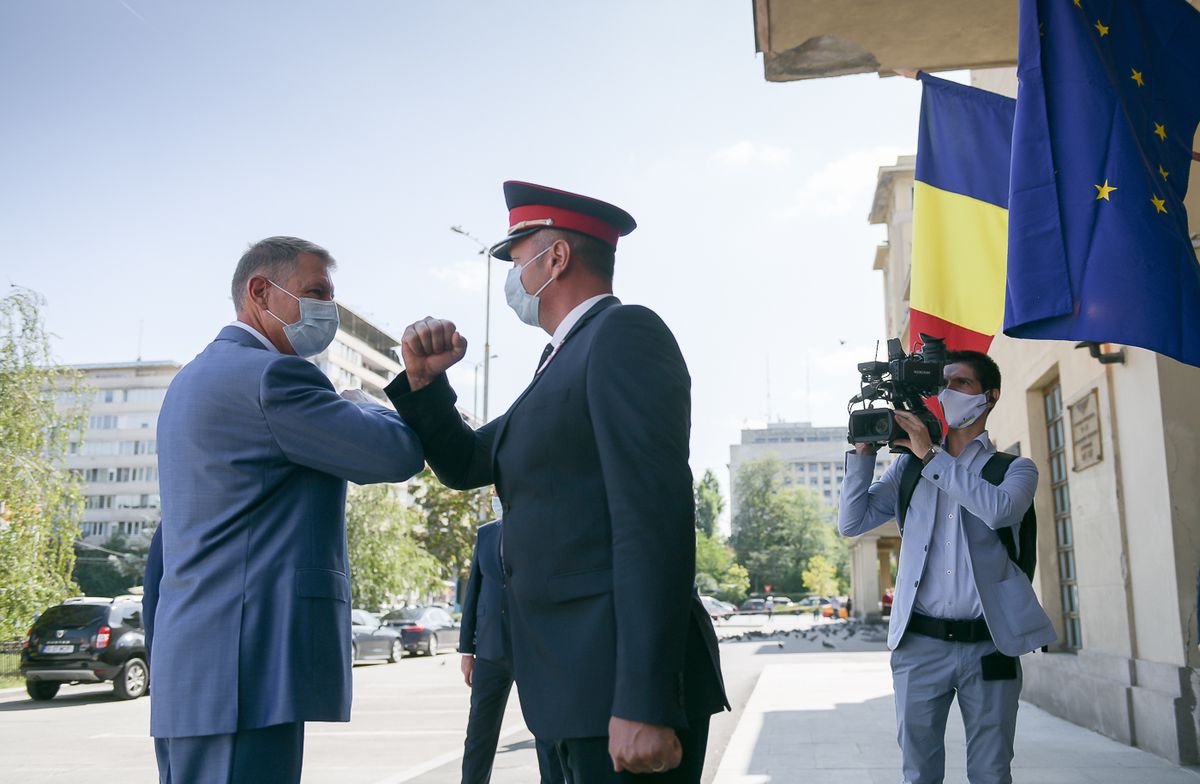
x,y
487,663
615,657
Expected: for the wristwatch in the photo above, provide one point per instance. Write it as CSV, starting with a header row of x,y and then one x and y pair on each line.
x,y
933,452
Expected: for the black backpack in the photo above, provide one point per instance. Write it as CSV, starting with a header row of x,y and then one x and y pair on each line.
x,y
1025,557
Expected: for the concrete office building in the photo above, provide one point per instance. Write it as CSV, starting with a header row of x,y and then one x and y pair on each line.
x,y
812,457
117,454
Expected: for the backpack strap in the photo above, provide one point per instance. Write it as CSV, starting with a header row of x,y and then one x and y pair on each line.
x,y
910,475
994,471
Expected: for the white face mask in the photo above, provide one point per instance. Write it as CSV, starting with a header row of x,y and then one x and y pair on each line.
x,y
525,305
960,408
316,328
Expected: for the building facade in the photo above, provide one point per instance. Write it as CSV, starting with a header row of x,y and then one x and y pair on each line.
x,y
1115,433
116,457
811,457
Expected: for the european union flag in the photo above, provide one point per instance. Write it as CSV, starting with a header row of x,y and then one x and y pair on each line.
x,y
1107,108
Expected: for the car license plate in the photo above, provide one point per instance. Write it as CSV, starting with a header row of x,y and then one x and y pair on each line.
x,y
57,648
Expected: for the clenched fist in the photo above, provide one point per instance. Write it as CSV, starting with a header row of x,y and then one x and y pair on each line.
x,y
428,348
637,747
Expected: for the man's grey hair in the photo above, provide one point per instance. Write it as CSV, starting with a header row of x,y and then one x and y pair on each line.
x,y
276,258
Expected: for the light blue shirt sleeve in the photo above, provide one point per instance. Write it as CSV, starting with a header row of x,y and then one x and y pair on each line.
x,y
997,506
866,505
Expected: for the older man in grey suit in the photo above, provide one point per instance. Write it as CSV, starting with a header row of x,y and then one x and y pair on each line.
x,y
251,627
963,611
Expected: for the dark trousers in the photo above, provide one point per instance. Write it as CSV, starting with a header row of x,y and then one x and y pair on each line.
x,y
491,683
270,755
586,760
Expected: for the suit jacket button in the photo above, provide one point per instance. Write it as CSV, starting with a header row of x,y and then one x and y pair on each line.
x,y
507,570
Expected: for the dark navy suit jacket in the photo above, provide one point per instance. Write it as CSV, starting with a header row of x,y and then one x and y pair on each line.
x,y
591,466
251,625
484,632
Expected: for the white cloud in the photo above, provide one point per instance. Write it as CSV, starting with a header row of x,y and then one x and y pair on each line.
x,y
747,153
843,186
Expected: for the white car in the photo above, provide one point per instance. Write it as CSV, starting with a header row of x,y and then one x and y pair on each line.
x,y
717,608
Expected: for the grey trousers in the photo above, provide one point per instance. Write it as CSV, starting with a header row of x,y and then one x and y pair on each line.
x,y
927,674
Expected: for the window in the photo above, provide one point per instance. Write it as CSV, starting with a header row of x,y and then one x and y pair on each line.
x,y
98,502
94,529
152,395
1063,534
110,396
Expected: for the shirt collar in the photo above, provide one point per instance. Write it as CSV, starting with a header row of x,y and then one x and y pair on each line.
x,y
261,337
980,443
572,318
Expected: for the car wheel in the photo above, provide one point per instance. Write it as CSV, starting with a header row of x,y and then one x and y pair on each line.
x,y
42,690
132,680
397,651
431,647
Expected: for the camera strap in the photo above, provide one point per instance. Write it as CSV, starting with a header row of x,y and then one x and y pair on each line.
x,y
1023,552
910,476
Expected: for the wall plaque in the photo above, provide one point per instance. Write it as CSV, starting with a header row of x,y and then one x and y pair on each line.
x,y
1085,431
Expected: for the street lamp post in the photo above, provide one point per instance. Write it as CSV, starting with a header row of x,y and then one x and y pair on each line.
x,y
487,318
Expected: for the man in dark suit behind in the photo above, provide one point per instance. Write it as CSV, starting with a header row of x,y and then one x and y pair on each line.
x,y
615,657
487,663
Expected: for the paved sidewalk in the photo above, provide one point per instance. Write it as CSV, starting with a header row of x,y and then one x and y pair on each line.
x,y
830,717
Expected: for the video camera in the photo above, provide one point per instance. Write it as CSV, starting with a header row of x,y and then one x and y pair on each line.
x,y
904,381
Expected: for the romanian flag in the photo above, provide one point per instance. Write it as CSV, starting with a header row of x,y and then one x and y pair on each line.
x,y
1098,240
960,214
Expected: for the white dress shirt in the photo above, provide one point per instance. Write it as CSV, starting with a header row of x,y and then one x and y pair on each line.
x,y
568,323
261,337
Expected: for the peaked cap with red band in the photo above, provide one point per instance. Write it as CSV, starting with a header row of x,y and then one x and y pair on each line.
x,y
532,208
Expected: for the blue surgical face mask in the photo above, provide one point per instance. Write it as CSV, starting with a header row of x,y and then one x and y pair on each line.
x,y
525,305
316,328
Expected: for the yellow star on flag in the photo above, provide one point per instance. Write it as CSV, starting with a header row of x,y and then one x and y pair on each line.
x,y
1079,3
1100,26
1163,172
1137,77
1104,189
1160,131
1158,203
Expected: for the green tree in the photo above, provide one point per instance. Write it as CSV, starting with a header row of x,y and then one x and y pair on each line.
x,y
709,503
385,559
779,529
113,567
717,571
41,410
820,576
448,522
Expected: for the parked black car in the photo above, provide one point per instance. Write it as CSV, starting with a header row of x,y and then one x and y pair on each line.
x,y
372,639
424,629
87,640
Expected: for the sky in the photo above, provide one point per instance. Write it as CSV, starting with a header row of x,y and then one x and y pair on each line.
x,y
145,145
